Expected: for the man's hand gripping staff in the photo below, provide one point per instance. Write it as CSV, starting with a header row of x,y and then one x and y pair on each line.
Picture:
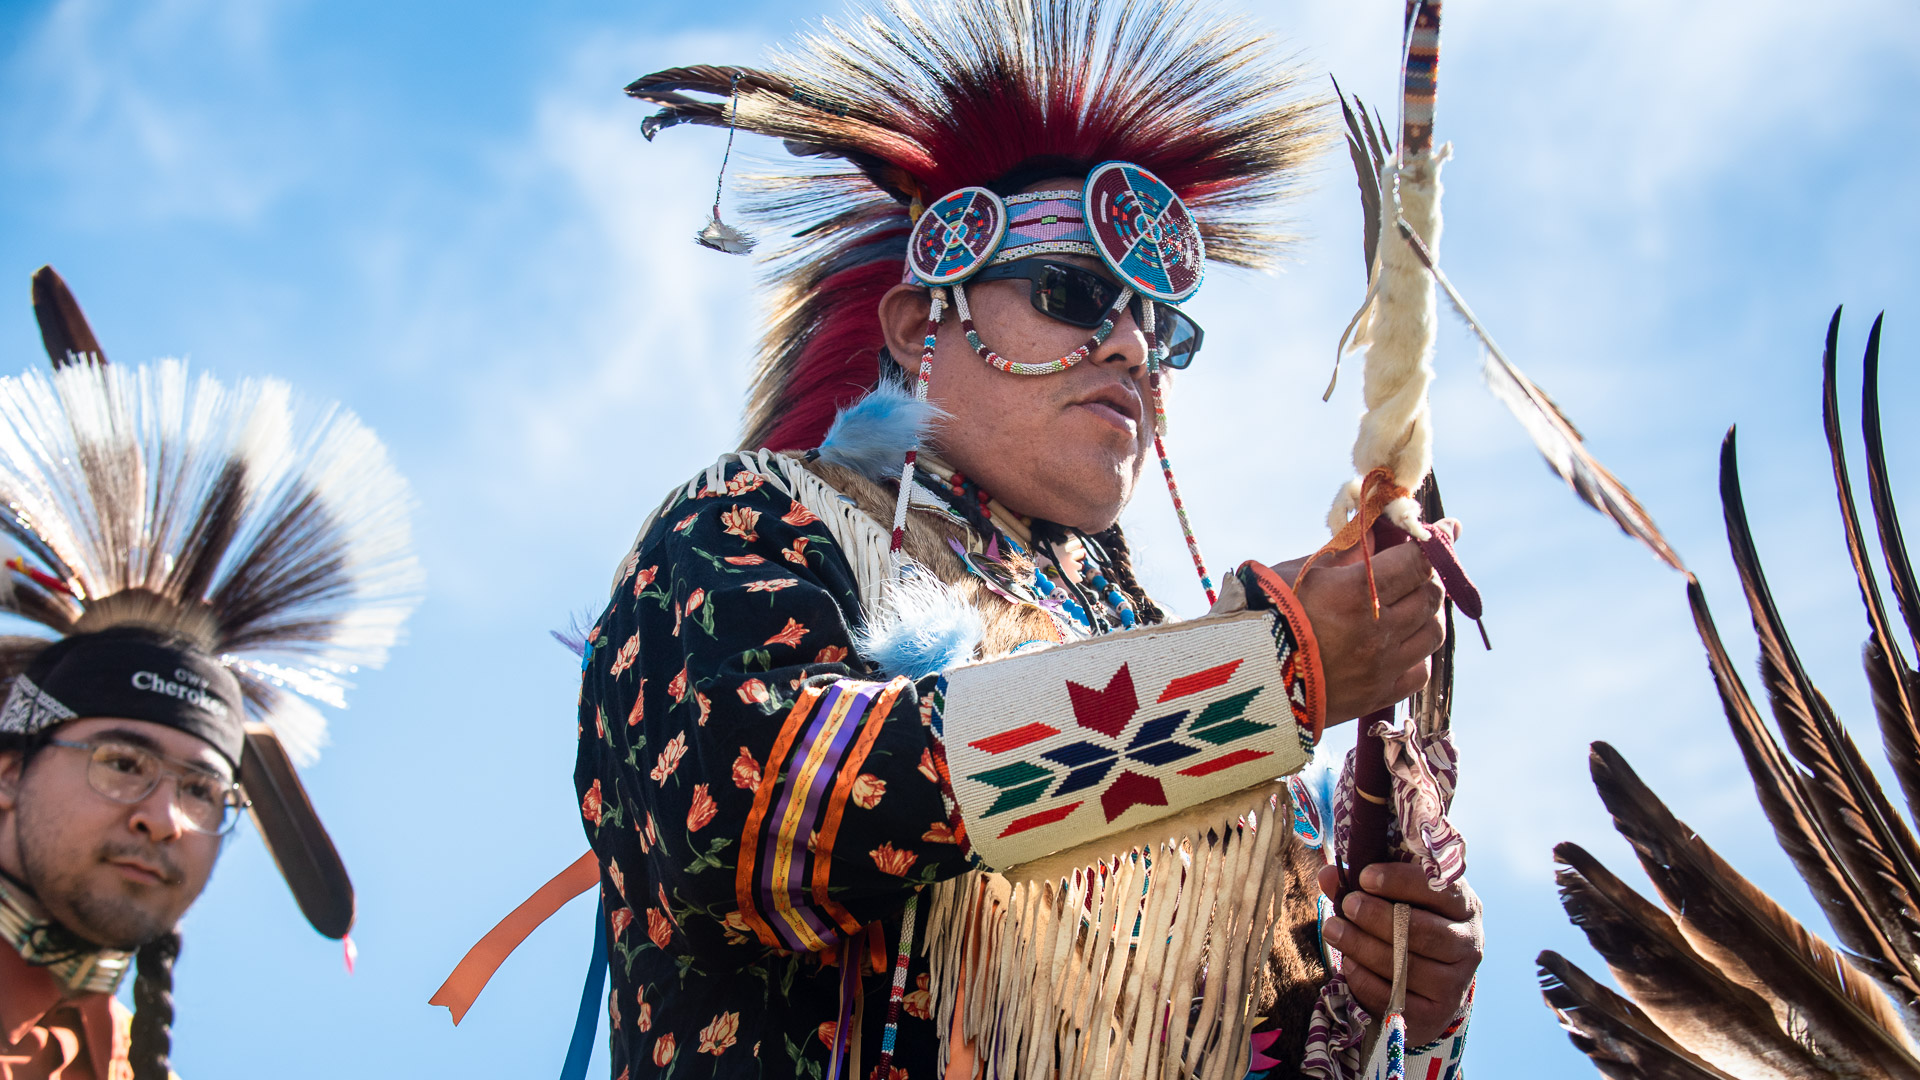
x,y
1427,952
1409,937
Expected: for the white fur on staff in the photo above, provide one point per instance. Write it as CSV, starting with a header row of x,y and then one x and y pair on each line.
x,y
1397,326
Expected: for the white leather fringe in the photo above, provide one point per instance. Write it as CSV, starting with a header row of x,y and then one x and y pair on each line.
x,y
861,539
1142,966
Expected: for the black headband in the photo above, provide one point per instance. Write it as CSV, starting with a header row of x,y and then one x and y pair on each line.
x,y
136,674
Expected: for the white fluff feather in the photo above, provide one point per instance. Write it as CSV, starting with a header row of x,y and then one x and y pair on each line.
x,y
920,627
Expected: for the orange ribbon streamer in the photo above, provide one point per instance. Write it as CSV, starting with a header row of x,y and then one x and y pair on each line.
x,y
471,975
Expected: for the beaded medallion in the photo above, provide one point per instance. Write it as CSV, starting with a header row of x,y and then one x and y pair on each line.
x,y
1144,232
956,236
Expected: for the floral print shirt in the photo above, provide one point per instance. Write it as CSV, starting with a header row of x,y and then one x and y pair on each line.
x,y
735,898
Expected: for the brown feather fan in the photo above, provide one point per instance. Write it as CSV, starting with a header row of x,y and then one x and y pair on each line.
x,y
1729,981
1622,1040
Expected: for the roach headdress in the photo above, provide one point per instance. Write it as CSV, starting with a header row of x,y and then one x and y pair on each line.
x,y
208,556
952,105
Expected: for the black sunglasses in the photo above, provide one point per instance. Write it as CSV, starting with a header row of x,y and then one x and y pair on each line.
x,y
1080,297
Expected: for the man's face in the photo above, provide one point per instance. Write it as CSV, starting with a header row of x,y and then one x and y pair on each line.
x,y
118,875
1067,447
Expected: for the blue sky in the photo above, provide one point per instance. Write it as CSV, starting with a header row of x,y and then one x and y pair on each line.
x,y
445,216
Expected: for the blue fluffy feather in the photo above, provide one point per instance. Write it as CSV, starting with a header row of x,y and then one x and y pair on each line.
x,y
872,435
921,628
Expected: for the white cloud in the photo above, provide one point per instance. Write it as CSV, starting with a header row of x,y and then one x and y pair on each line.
x,y
111,106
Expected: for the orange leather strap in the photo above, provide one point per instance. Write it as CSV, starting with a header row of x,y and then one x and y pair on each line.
x,y
1281,596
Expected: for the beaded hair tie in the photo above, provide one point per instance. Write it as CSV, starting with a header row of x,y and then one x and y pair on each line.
x,y
1166,466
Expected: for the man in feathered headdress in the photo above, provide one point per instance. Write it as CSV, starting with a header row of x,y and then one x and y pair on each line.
x,y
888,761
200,553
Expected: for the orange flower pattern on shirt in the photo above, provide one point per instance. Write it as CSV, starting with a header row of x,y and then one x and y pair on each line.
x,y
740,522
702,810
622,660
789,634
734,926
659,928
893,861
746,771
753,579
718,1035
669,760
919,1000
867,791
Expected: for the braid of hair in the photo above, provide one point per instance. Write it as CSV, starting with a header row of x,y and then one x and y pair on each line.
x,y
1120,567
152,1035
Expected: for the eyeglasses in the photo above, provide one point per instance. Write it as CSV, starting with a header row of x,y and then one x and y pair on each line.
x,y
1080,297
128,774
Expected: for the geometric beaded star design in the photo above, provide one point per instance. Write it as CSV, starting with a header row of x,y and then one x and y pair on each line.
x,y
1105,714
1060,747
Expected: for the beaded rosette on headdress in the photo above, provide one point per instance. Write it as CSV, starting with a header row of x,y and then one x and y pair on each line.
x,y
1186,123
1124,215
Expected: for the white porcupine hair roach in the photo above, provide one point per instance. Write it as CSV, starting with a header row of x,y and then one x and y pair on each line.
x,y
275,535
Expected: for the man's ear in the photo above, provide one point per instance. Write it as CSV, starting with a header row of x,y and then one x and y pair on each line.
x,y
903,318
12,770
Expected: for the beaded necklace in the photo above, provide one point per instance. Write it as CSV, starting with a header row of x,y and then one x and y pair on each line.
x,y
1058,582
